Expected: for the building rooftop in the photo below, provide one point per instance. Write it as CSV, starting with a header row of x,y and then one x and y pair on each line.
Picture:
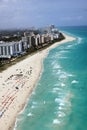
x,y
2,43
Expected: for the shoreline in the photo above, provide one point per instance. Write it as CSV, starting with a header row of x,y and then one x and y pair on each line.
x,y
18,82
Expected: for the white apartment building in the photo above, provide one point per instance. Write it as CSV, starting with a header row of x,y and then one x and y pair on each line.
x,y
37,40
10,49
42,39
25,41
55,36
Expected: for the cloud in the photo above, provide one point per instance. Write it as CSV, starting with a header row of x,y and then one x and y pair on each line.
x,y
40,12
6,1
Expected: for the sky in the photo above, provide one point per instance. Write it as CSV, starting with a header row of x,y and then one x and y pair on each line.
x,y
39,13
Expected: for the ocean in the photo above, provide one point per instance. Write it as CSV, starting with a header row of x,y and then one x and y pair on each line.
x,y
59,101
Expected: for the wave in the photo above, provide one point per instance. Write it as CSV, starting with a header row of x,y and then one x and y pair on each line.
x,y
58,100
62,85
16,122
61,104
56,121
63,57
60,108
56,85
64,51
65,100
56,66
70,46
55,90
74,82
79,40
59,54
32,107
61,114
29,114
34,103
64,75
33,93
20,113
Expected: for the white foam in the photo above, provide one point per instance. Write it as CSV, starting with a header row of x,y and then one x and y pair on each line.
x,y
56,121
17,119
62,84
33,93
79,40
34,103
44,102
56,84
32,106
74,82
14,128
56,89
57,55
69,46
70,75
53,63
61,104
63,51
56,66
64,75
29,114
60,108
61,114
63,57
58,100
59,71
39,83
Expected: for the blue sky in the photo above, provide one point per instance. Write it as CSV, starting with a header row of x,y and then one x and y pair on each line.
x,y
27,13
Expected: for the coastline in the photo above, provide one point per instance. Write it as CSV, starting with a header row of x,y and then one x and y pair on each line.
x,y
18,82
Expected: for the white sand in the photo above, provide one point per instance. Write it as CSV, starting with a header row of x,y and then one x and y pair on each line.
x,y
17,84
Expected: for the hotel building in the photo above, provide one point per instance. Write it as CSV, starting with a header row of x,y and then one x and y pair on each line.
x,y
10,49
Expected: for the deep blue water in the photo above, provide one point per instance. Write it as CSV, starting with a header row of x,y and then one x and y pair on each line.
x,y
59,101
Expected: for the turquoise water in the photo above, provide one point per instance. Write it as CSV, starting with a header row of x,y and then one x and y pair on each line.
x,y
59,101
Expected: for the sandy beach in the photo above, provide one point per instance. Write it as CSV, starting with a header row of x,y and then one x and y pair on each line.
x,y
17,84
